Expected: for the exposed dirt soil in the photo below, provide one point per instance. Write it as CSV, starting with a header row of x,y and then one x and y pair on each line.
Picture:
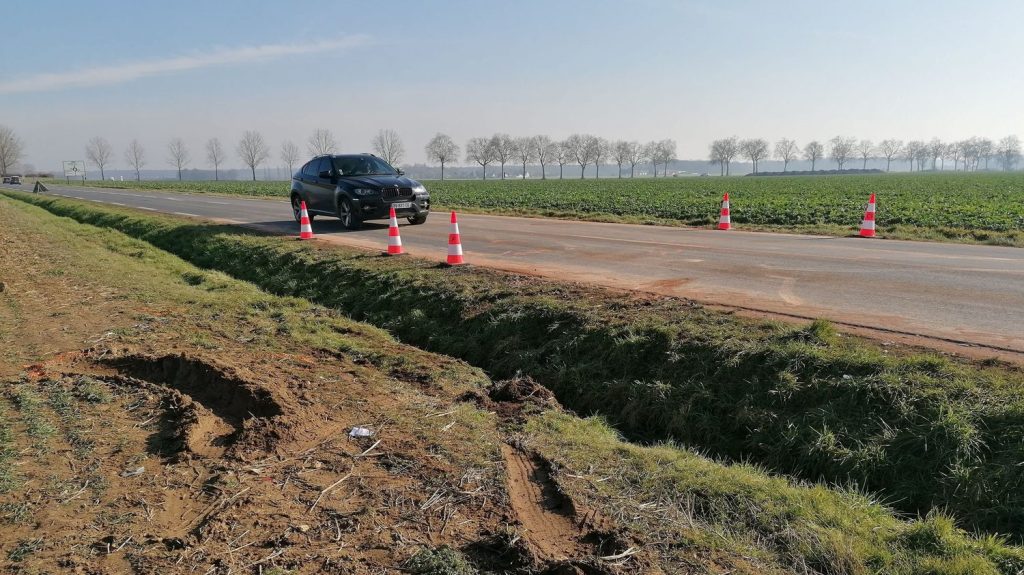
x,y
138,435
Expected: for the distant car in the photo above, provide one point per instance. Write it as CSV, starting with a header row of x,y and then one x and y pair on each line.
x,y
7,179
355,188
15,180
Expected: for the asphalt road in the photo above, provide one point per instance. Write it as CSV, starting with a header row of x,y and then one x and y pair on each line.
x,y
950,292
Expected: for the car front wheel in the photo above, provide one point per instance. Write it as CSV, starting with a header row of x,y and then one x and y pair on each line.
x,y
348,216
417,219
297,209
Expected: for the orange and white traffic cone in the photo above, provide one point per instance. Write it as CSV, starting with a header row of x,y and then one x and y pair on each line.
x,y
867,225
724,219
305,229
454,243
394,240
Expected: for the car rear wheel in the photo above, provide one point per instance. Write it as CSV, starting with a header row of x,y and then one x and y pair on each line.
x,y
417,219
348,216
297,209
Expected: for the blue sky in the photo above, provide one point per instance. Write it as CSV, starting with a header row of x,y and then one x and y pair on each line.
x,y
648,69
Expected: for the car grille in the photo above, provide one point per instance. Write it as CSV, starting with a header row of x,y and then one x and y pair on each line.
x,y
395,193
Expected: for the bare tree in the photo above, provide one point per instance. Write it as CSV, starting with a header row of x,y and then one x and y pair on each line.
x,y
215,156
635,155
545,151
620,153
289,155
651,155
970,153
786,150
723,152
717,156
11,149
840,149
99,152
135,155
665,152
890,149
923,153
865,148
563,155
177,154
912,151
504,150
579,150
1008,152
253,150
813,152
481,151
955,152
525,151
599,150
321,143
389,146
754,150
442,149
986,149
936,149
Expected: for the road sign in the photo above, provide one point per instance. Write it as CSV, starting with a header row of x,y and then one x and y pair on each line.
x,y
74,169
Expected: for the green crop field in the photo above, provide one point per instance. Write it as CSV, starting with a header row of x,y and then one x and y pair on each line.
x,y
967,207
986,208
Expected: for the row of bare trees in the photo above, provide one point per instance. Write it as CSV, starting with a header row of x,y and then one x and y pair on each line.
x,y
580,149
965,155
252,149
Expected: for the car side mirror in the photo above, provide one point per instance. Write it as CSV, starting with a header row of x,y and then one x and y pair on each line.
x,y
400,171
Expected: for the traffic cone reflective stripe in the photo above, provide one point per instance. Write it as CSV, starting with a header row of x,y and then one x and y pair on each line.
x,y
724,219
454,243
305,229
867,226
394,240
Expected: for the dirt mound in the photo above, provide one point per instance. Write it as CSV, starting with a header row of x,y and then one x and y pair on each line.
x,y
522,389
514,399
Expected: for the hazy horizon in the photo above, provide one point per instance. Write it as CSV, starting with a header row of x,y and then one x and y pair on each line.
x,y
652,69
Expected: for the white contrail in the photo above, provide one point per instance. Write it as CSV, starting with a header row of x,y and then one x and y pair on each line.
x,y
105,75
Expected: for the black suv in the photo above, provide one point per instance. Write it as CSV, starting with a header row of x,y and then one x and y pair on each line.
x,y
357,187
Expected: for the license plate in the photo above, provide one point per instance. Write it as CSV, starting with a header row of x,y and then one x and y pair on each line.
x,y
401,205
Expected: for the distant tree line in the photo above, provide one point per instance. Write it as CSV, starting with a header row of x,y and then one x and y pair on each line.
x,y
583,150
579,149
966,155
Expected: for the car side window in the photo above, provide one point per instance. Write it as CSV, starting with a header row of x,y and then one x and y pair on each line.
x,y
325,166
309,170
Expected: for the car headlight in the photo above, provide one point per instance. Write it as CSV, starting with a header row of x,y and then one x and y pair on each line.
x,y
420,189
364,192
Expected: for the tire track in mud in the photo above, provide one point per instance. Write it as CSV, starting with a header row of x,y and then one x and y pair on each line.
x,y
546,514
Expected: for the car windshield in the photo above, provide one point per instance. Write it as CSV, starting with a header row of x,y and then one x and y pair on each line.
x,y
363,166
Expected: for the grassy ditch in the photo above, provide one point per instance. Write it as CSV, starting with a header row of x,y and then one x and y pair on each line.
x,y
692,513
921,430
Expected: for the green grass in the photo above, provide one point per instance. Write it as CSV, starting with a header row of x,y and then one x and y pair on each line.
x,y
8,476
440,561
685,506
226,187
38,425
923,431
977,207
682,498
